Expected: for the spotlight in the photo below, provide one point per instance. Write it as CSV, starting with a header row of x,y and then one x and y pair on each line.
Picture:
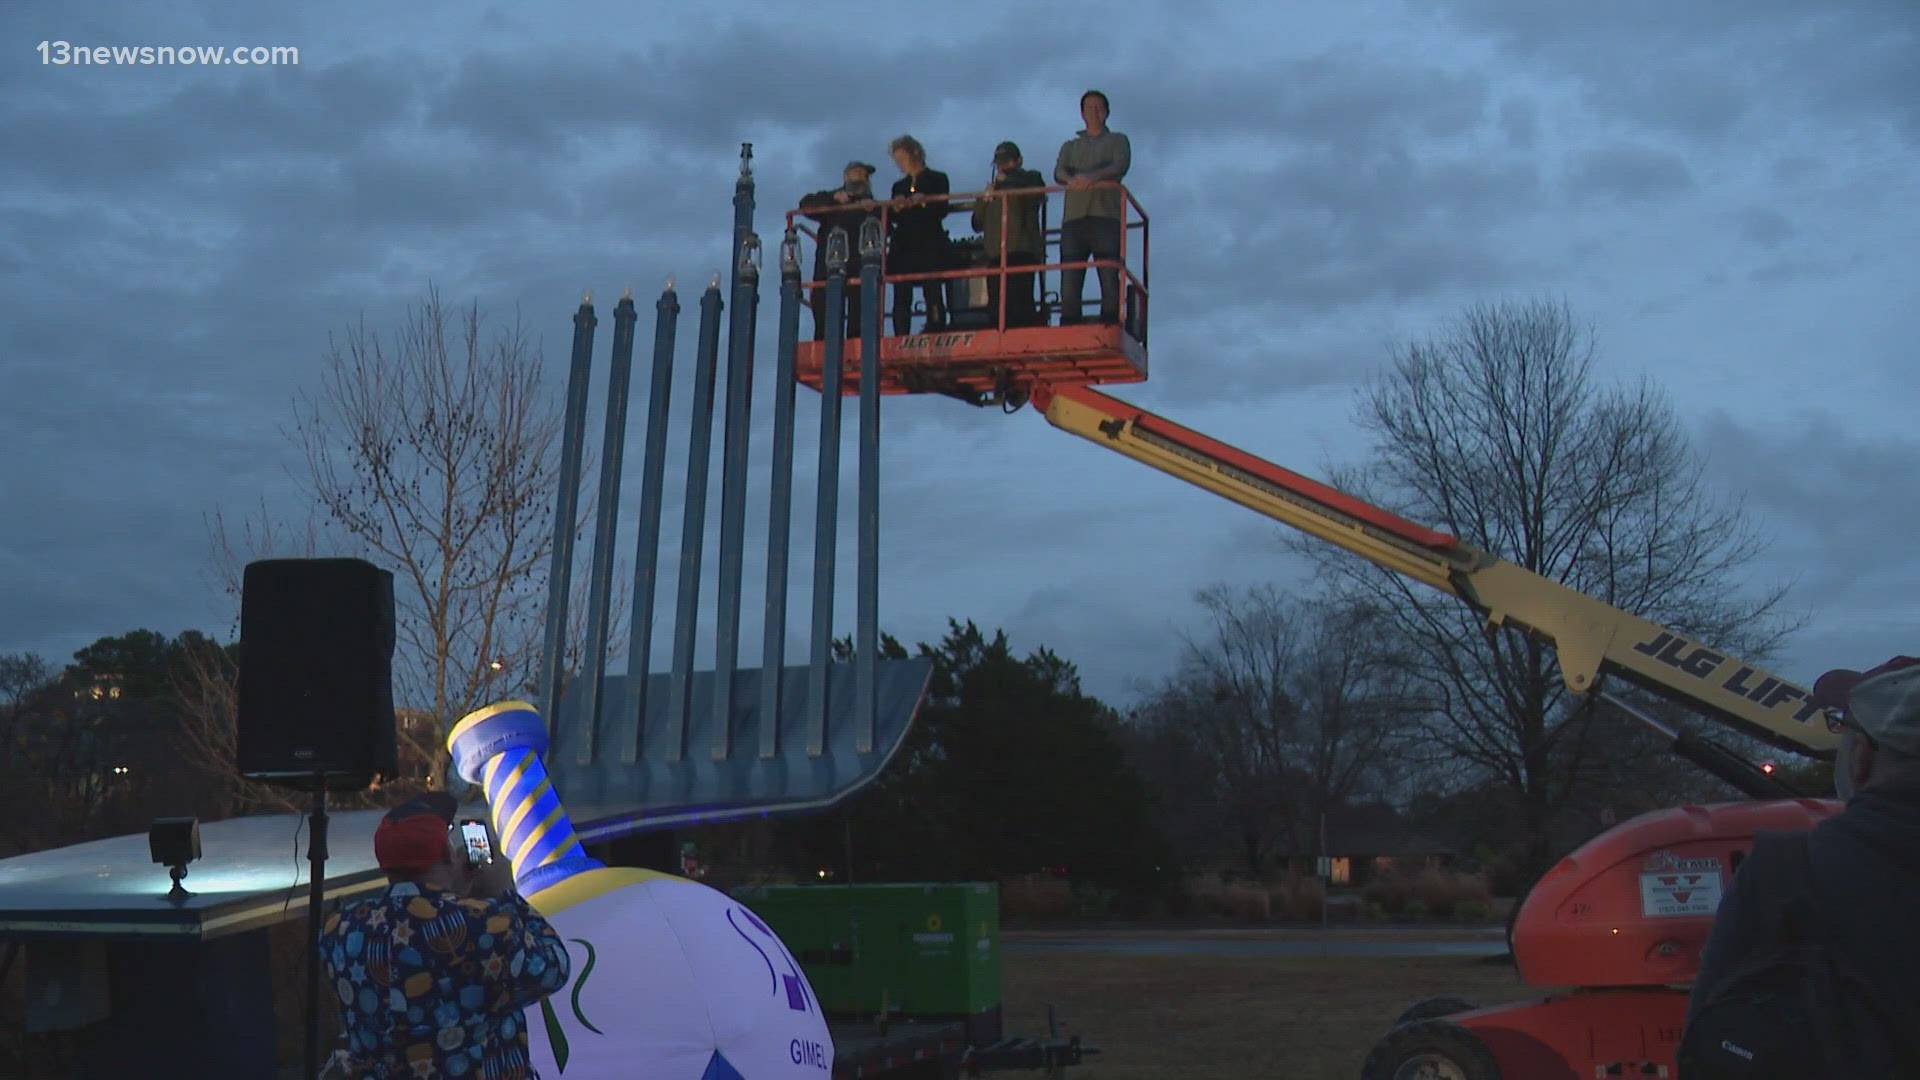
x,y
175,842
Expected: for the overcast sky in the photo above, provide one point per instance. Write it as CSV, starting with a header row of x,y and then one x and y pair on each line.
x,y
1725,190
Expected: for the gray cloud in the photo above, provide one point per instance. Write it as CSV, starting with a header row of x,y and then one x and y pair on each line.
x,y
1343,97
711,94
1847,485
1699,104
1710,71
178,244
209,125
1520,122
1576,21
1628,175
1766,226
1834,502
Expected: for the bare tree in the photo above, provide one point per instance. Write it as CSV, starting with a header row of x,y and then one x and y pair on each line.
x,y
433,455
207,690
92,750
1499,432
25,679
21,674
1296,706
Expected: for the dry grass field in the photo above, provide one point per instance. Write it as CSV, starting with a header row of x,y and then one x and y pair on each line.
x,y
1214,1017
1153,1017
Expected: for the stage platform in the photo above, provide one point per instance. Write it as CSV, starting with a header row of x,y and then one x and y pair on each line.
x,y
252,873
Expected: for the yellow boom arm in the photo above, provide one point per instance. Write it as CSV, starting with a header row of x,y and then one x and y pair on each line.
x,y
1591,638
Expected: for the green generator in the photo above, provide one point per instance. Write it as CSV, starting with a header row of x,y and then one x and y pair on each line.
x,y
912,950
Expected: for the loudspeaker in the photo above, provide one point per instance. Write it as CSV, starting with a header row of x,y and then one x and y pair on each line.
x,y
316,673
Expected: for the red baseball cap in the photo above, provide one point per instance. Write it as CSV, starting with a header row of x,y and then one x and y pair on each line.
x,y
413,836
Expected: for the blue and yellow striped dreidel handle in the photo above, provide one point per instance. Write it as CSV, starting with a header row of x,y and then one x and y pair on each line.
x,y
499,748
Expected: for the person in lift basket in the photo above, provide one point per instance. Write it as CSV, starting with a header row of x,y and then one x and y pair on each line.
x,y
839,208
919,242
1011,222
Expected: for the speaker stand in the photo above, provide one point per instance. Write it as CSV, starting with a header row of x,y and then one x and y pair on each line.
x,y
316,897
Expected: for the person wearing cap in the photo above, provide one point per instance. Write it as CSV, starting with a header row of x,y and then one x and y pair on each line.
x,y
1091,223
1865,860
836,208
1019,215
433,974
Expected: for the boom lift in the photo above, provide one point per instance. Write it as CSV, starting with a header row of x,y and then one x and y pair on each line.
x,y
1623,919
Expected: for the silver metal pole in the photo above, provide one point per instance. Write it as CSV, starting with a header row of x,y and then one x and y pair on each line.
x,y
827,509
733,488
780,513
606,517
693,530
560,571
653,468
867,584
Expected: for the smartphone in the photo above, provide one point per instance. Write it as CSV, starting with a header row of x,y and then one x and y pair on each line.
x,y
479,848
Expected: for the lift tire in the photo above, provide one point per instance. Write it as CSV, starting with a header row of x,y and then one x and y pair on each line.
x,y
1433,1008
1430,1050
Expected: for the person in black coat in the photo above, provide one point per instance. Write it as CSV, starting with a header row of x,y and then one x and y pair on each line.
x,y
822,206
1846,886
917,243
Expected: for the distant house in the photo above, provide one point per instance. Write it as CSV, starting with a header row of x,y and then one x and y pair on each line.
x,y
1364,843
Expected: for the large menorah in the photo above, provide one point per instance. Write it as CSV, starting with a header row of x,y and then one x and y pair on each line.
x,y
647,749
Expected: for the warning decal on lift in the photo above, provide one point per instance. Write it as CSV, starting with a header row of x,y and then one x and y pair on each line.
x,y
1671,886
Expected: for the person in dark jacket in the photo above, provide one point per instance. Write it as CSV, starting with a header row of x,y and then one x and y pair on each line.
x,y
918,240
856,187
1019,216
1866,859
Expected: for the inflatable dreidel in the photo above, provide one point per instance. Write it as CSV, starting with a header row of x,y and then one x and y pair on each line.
x,y
671,979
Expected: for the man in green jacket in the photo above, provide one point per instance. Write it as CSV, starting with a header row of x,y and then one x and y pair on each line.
x,y
1012,222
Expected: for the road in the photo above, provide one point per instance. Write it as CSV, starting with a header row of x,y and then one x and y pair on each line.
x,y
1288,942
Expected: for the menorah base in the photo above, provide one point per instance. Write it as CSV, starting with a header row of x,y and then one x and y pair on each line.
x,y
627,778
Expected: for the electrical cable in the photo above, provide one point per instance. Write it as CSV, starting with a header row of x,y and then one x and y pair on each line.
x,y
294,888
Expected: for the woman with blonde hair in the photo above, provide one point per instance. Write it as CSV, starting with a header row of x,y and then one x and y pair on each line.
x,y
917,241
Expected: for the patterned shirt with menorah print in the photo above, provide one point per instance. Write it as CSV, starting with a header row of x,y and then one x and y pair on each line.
x,y
435,987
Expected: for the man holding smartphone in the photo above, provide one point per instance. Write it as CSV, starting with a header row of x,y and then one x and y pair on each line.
x,y
1012,222
434,974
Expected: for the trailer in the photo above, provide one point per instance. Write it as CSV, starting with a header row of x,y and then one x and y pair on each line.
x,y
943,1048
